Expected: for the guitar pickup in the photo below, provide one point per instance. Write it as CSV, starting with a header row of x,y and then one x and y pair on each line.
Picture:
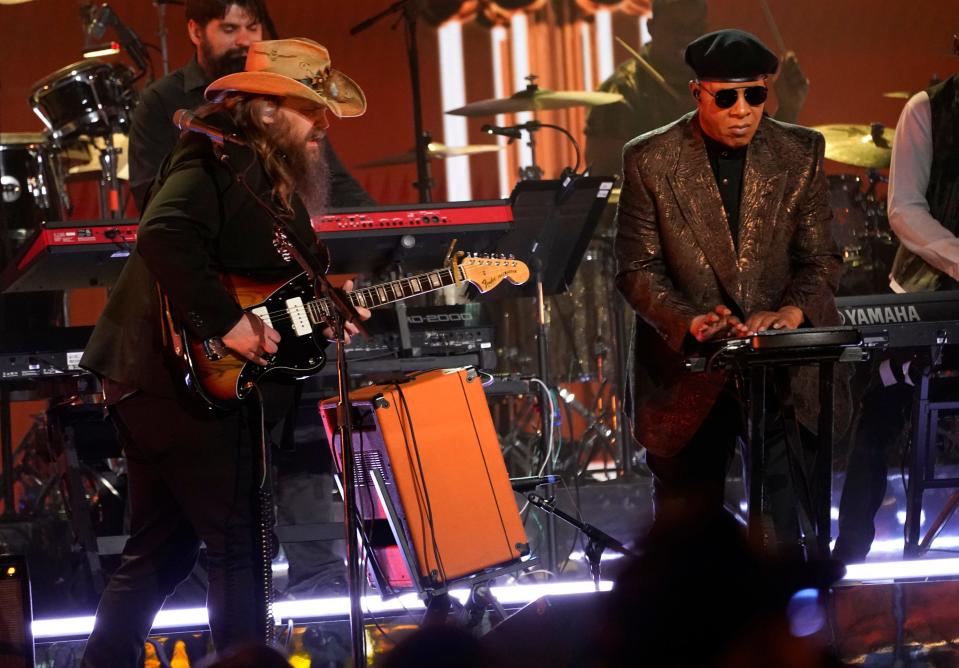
x,y
263,314
299,319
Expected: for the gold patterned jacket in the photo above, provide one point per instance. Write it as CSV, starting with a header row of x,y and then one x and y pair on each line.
x,y
676,259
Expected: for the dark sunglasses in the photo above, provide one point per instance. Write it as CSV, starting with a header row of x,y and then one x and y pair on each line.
x,y
727,97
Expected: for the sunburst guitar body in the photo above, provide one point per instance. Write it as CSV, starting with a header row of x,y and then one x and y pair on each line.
x,y
291,308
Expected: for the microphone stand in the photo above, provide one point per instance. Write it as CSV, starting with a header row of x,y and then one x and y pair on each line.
x,y
597,540
341,313
424,180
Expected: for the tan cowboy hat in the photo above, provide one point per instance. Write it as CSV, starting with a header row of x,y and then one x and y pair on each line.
x,y
294,68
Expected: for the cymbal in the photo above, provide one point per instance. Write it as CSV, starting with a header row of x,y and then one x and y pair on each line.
x,y
535,98
434,150
898,94
858,145
23,138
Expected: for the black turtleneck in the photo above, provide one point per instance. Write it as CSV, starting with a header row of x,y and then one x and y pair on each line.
x,y
728,164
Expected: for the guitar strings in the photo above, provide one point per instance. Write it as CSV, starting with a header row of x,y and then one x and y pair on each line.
x,y
320,307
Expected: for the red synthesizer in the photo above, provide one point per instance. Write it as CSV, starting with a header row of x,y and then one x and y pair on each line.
x,y
73,254
70,254
415,216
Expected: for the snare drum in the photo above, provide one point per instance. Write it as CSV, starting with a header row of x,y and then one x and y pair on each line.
x,y
90,97
29,188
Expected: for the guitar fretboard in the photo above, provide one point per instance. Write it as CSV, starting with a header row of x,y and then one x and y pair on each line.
x,y
320,310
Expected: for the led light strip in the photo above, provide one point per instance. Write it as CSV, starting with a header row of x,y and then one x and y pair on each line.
x,y
909,569
519,31
498,37
320,608
604,43
453,94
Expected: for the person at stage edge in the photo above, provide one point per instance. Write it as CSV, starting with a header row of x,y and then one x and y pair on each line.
x,y
221,32
723,230
923,203
646,105
191,469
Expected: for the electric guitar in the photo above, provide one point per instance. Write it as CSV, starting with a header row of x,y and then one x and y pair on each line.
x,y
291,309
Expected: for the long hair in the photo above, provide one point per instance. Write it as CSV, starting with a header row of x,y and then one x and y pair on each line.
x,y
247,114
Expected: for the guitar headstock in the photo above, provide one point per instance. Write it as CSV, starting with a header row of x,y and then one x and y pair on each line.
x,y
488,271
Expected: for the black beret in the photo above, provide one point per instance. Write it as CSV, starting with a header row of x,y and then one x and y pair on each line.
x,y
730,55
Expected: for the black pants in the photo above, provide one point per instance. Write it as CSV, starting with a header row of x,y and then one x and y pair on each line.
x,y
694,480
884,414
191,479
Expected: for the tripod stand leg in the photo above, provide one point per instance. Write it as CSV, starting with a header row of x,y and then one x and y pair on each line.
x,y
937,525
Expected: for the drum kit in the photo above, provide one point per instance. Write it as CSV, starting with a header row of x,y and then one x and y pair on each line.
x,y
86,108
860,225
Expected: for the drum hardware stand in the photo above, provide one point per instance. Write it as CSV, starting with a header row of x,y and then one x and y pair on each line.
x,y
162,32
111,203
597,541
409,10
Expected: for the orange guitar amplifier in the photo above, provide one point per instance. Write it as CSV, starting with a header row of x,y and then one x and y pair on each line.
x,y
428,444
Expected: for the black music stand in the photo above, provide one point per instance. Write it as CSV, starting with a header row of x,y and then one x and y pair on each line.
x,y
553,222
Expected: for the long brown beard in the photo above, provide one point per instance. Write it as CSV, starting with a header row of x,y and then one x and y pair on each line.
x,y
309,169
290,166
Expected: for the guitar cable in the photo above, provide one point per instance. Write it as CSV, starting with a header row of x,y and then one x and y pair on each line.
x,y
421,489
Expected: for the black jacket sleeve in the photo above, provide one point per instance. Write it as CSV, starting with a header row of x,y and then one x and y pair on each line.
x,y
177,240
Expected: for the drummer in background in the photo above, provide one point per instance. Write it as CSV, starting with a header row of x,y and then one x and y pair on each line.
x,y
647,105
221,32
924,214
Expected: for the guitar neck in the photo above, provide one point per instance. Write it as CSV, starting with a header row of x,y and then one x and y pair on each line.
x,y
386,293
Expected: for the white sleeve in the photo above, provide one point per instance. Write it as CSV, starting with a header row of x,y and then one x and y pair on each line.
x,y
909,215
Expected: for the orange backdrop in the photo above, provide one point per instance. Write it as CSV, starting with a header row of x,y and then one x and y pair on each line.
x,y
852,51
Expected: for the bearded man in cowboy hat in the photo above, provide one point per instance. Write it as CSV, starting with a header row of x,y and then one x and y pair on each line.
x,y
191,470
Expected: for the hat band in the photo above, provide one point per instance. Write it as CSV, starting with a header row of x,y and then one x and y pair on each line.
x,y
322,86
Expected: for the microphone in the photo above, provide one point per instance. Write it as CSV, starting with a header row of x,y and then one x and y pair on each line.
x,y
530,483
187,121
509,131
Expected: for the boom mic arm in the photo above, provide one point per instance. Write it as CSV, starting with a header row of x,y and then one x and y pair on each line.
x,y
102,16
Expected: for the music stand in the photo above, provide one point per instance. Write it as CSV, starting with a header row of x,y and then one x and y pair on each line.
x,y
553,222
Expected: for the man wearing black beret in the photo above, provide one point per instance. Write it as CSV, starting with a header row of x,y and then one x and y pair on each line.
x,y
723,230
647,104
